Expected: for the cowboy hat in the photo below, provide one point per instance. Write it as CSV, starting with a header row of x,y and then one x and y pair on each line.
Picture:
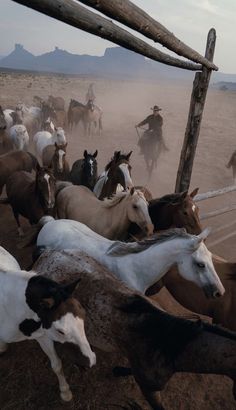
x,y
156,108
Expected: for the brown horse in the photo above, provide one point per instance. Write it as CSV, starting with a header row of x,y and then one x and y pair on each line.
x,y
15,161
54,156
192,298
174,210
75,113
117,171
84,170
31,197
156,344
58,103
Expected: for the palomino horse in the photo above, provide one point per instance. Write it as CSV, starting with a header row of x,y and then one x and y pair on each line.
x,y
138,264
44,138
110,218
84,170
176,210
117,171
92,116
221,311
15,161
31,197
54,156
232,163
156,344
34,307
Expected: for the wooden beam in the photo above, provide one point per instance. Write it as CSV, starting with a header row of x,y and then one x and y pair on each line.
x,y
217,212
78,16
198,98
213,194
132,16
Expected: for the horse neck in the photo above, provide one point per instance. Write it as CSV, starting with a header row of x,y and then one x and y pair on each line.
x,y
118,221
150,265
109,188
161,215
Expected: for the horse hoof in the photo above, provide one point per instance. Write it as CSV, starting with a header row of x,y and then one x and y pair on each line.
x,y
66,395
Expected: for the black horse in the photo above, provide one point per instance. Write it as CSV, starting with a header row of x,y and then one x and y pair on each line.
x,y
84,170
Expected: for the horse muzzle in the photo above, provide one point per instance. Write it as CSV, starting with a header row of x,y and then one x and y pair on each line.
x,y
148,229
212,291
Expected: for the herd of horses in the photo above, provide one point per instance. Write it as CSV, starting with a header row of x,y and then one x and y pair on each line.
x,y
103,247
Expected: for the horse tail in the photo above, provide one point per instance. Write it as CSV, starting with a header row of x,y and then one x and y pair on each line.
x,y
32,235
4,201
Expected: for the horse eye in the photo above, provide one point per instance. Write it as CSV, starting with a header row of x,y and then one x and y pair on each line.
x,y
200,265
60,331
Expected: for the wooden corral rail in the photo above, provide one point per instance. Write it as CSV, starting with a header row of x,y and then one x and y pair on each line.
x,y
124,11
213,194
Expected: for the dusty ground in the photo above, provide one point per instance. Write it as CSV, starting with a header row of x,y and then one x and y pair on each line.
x,y
26,380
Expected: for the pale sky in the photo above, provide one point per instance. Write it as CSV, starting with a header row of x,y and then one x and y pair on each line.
x,y
189,20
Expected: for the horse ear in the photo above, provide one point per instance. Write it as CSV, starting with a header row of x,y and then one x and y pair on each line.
x,y
132,190
85,153
116,155
68,289
95,154
194,193
128,155
183,194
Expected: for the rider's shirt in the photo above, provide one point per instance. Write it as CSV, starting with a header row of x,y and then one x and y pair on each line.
x,y
154,122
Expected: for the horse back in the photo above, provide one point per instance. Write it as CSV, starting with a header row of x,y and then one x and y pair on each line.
x,y
15,161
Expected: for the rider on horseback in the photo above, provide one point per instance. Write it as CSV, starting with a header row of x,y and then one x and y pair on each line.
x,y
154,132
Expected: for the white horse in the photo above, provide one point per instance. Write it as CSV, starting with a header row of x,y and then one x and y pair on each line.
x,y
44,138
8,117
141,264
33,307
19,137
31,117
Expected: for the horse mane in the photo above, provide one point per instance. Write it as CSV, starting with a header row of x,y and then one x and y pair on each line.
x,y
125,248
114,200
166,199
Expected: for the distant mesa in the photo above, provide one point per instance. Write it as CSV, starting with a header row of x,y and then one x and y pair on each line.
x,y
116,62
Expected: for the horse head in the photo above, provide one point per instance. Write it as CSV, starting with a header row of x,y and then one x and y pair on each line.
x,y
195,264
59,157
48,111
89,166
138,211
60,314
45,187
119,170
185,212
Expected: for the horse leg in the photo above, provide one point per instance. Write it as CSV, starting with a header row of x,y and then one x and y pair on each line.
x,y
47,346
152,397
16,215
234,174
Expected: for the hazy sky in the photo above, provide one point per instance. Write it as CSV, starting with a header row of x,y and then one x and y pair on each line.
x,y
189,20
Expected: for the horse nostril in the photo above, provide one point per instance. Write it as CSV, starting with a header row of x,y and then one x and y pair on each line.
x,y
216,294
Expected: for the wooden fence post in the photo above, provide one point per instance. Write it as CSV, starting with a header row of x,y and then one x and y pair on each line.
x,y
198,98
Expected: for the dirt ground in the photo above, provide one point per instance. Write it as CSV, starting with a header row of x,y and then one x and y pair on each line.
x,y
27,381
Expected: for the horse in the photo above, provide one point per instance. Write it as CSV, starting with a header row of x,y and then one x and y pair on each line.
x,y
15,161
34,307
44,138
232,163
84,170
47,111
19,137
30,117
138,264
29,196
75,113
156,344
111,217
48,125
92,116
3,123
54,156
7,261
58,103
222,312
117,171
173,210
